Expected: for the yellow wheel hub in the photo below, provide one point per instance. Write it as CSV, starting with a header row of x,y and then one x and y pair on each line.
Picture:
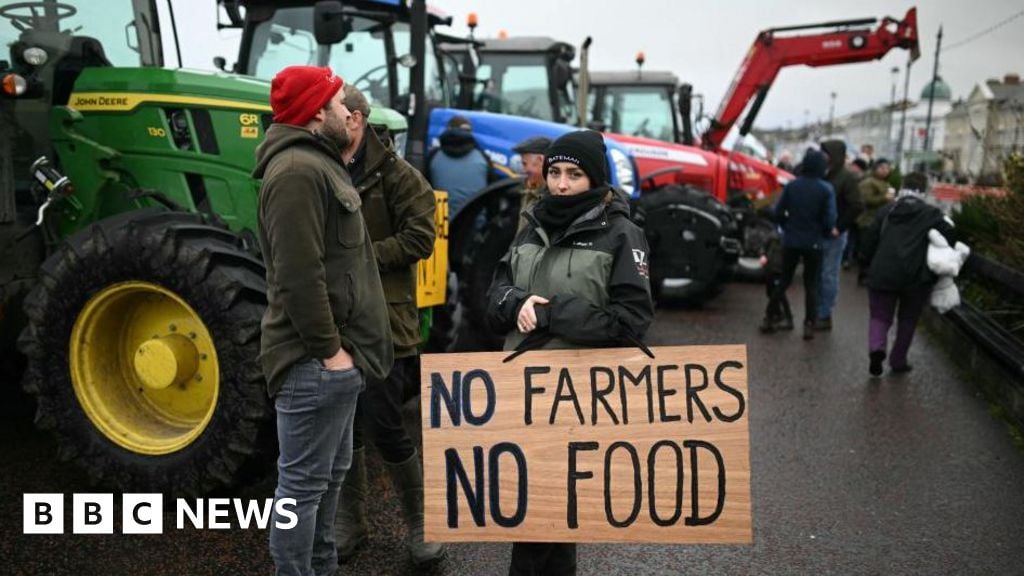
x,y
144,368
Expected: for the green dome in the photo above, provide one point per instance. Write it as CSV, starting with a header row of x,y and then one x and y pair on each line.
x,y
942,91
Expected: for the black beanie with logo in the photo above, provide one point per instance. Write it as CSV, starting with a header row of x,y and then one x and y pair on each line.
x,y
584,148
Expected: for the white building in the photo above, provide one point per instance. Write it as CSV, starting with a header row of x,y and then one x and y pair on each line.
x,y
987,127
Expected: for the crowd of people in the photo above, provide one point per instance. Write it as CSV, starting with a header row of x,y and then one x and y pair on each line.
x,y
343,221
836,214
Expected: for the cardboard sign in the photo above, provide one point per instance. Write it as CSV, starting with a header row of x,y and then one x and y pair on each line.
x,y
600,445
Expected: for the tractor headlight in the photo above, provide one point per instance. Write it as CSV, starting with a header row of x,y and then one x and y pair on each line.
x,y
35,56
623,171
14,85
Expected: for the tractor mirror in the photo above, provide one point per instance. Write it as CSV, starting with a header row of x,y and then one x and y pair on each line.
x,y
562,74
329,23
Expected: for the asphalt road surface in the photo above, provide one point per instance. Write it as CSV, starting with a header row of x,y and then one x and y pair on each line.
x,y
900,475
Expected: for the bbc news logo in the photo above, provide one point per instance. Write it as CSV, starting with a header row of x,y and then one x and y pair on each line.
x,y
144,513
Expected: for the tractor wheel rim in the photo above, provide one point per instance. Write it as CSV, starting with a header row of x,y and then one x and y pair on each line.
x,y
144,368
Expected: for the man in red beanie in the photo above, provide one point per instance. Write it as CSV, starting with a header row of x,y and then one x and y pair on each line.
x,y
325,329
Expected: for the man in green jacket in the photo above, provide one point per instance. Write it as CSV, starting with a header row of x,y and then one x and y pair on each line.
x,y
326,324
875,192
398,206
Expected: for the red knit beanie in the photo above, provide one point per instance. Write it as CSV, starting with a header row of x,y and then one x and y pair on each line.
x,y
297,93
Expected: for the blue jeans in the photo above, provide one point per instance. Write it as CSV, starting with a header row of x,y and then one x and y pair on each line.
x,y
315,411
831,264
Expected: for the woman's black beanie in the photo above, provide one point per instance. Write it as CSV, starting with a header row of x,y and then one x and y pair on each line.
x,y
584,148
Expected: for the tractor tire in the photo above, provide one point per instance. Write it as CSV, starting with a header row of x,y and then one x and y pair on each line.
x,y
686,230
487,247
110,304
21,252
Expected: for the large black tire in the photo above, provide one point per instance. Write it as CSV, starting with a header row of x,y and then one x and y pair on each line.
x,y
21,253
686,231
479,235
479,262
203,264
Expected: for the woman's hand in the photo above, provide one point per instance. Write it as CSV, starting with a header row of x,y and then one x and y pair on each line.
x,y
527,319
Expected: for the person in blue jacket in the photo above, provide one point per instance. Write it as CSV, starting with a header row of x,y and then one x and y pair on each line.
x,y
806,210
459,167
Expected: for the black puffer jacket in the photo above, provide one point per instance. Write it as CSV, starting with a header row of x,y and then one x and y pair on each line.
x,y
896,244
595,274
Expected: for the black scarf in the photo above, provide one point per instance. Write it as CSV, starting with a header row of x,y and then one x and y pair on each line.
x,y
556,212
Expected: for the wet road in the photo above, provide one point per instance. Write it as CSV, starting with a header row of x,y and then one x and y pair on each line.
x,y
901,475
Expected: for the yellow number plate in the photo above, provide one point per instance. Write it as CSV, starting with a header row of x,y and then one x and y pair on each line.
x,y
432,273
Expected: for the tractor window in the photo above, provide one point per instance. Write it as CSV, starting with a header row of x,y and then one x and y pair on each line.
x,y
637,111
362,58
283,47
287,40
514,85
51,25
433,83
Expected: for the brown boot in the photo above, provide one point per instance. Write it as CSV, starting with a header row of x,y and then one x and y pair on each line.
x,y
351,530
408,481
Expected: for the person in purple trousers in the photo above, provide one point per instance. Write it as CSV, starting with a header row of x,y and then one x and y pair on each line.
x,y
899,282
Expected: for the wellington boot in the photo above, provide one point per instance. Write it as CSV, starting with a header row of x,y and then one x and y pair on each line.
x,y
408,481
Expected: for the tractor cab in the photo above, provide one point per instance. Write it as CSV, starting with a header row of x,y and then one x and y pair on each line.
x,y
371,44
635,103
526,76
48,44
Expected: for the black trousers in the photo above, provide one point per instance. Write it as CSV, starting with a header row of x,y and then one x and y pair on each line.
x,y
811,259
379,413
543,559
778,306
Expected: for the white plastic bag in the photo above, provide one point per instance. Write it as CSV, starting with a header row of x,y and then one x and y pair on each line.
x,y
946,263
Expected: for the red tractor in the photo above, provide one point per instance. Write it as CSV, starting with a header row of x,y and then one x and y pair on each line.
x,y
675,214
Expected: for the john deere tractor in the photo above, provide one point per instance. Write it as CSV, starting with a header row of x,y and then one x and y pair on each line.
x,y
129,264
127,240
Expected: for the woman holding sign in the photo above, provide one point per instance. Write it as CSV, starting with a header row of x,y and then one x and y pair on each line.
x,y
575,277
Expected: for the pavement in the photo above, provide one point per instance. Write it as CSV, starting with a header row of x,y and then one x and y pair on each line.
x,y
907,474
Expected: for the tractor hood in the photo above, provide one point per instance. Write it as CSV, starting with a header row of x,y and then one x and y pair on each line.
x,y
715,172
124,89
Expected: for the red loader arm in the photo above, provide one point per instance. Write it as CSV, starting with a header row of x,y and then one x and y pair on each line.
x,y
848,41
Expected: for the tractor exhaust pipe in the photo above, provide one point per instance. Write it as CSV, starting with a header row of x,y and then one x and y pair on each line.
x,y
584,90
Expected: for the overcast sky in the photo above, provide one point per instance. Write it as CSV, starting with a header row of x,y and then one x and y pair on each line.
x,y
704,42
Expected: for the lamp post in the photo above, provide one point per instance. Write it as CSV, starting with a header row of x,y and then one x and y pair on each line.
x,y
903,117
895,71
831,113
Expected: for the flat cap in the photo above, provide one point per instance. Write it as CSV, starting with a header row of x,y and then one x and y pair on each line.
x,y
535,145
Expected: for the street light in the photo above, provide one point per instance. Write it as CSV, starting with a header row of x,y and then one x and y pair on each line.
x,y
895,71
831,113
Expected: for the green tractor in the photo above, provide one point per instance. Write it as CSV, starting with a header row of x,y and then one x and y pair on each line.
x,y
128,263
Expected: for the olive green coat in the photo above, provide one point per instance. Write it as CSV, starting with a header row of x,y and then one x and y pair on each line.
x,y
875,194
323,288
398,206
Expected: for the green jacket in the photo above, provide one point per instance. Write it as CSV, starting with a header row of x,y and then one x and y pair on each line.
x,y
875,194
595,275
323,288
399,207
530,196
